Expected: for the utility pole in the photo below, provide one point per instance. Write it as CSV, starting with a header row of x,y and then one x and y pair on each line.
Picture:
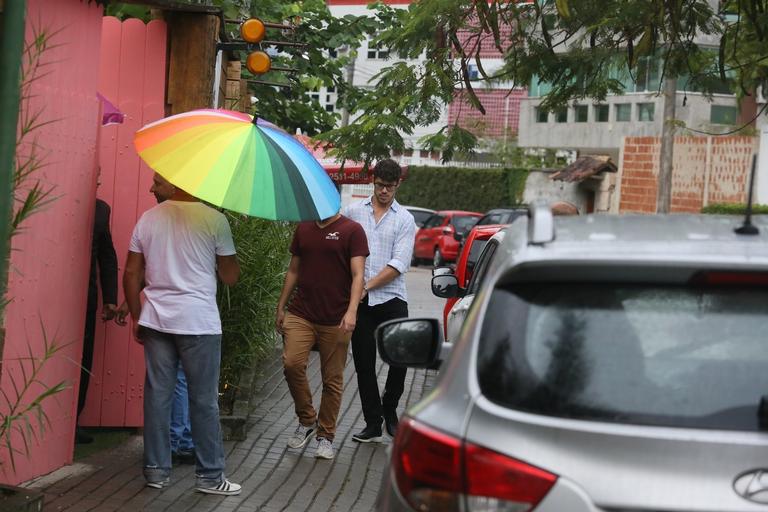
x,y
664,187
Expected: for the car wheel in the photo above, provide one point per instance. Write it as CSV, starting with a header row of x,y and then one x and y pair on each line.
x,y
438,259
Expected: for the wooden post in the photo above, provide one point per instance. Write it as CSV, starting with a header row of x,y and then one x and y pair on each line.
x,y
232,89
192,58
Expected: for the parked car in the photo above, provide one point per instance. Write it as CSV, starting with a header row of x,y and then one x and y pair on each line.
x,y
478,250
608,363
420,215
435,242
494,217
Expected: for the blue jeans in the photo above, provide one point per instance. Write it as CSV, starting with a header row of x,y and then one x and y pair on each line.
x,y
181,430
201,357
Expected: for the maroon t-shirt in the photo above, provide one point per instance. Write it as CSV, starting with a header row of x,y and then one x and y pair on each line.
x,y
325,275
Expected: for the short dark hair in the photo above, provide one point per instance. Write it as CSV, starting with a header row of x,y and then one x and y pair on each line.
x,y
387,170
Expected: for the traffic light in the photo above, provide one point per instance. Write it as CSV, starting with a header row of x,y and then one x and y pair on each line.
x,y
252,31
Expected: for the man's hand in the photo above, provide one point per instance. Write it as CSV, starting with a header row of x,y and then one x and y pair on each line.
x,y
137,333
348,322
279,319
108,312
121,314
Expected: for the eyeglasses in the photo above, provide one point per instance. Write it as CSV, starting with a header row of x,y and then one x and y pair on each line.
x,y
385,186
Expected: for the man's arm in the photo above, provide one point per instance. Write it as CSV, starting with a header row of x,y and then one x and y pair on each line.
x,y
357,266
228,269
291,278
402,251
132,280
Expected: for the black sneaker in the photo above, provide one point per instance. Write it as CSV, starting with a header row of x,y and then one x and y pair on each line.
x,y
369,434
390,422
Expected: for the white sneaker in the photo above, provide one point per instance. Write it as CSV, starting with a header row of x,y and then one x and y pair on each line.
x,y
301,435
225,488
324,449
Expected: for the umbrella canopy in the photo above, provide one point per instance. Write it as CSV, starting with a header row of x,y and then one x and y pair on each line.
x,y
239,163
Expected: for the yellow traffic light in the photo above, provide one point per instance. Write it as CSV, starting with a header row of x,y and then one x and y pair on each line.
x,y
252,30
258,62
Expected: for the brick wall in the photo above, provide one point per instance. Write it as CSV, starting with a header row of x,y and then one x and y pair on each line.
x,y
498,113
705,170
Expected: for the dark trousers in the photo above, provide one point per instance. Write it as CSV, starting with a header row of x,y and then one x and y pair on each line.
x,y
88,342
364,355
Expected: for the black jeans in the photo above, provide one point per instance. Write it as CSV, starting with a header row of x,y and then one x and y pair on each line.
x,y
364,355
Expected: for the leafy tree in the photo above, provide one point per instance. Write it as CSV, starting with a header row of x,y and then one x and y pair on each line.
x,y
576,46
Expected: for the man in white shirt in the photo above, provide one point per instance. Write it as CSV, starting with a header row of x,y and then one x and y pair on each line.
x,y
390,229
177,249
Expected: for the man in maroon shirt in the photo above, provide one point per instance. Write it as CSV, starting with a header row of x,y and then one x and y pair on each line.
x,y
326,271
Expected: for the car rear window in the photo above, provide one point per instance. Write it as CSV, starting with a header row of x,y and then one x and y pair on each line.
x,y
463,223
658,355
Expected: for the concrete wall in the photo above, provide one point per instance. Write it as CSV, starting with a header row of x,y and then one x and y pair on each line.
x,y
705,170
607,137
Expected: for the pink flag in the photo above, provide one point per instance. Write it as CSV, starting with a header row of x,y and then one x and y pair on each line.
x,y
109,113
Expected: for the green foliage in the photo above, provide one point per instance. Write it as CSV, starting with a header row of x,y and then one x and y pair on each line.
x,y
248,308
735,209
457,188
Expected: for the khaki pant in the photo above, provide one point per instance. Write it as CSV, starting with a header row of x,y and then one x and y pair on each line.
x,y
300,336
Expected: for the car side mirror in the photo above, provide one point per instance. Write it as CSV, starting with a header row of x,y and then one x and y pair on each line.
x,y
439,271
409,342
445,286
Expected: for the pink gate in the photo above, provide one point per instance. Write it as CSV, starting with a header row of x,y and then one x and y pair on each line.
x,y
132,76
49,266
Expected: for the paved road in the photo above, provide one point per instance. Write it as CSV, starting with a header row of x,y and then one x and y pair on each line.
x,y
274,478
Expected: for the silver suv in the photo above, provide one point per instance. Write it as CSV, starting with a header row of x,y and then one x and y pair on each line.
x,y
608,363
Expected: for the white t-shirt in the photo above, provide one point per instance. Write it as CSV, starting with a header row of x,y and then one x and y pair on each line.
x,y
180,241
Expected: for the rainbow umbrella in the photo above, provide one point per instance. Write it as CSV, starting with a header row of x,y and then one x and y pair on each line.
x,y
240,163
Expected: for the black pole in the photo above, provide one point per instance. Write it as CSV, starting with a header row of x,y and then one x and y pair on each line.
x,y
748,228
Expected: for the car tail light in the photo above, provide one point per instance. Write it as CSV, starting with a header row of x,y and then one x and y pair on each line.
x,y
720,278
435,471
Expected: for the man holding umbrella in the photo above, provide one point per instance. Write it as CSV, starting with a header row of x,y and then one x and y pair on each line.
x,y
177,249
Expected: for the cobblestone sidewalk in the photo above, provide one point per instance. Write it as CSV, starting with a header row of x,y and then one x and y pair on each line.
x,y
274,477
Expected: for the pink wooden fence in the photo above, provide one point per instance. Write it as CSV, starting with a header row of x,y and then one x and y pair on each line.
x,y
132,76
50,260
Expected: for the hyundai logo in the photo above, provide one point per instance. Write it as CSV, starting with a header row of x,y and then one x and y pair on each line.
x,y
752,485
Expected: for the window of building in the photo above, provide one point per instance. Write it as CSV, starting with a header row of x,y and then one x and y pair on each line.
x,y
601,113
377,51
580,113
723,114
329,107
645,111
561,115
542,116
623,112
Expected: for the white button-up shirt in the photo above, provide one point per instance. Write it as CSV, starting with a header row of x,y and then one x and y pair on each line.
x,y
390,242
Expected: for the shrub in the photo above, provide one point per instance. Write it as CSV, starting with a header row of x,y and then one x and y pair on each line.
x,y
248,308
459,188
735,209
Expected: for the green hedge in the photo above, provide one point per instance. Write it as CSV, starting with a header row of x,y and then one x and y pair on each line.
x,y
735,209
459,188
248,308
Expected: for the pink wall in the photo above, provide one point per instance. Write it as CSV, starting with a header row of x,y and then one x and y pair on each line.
x,y
50,259
132,76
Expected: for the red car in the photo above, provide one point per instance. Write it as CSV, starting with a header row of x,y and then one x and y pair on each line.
x,y
473,246
435,241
